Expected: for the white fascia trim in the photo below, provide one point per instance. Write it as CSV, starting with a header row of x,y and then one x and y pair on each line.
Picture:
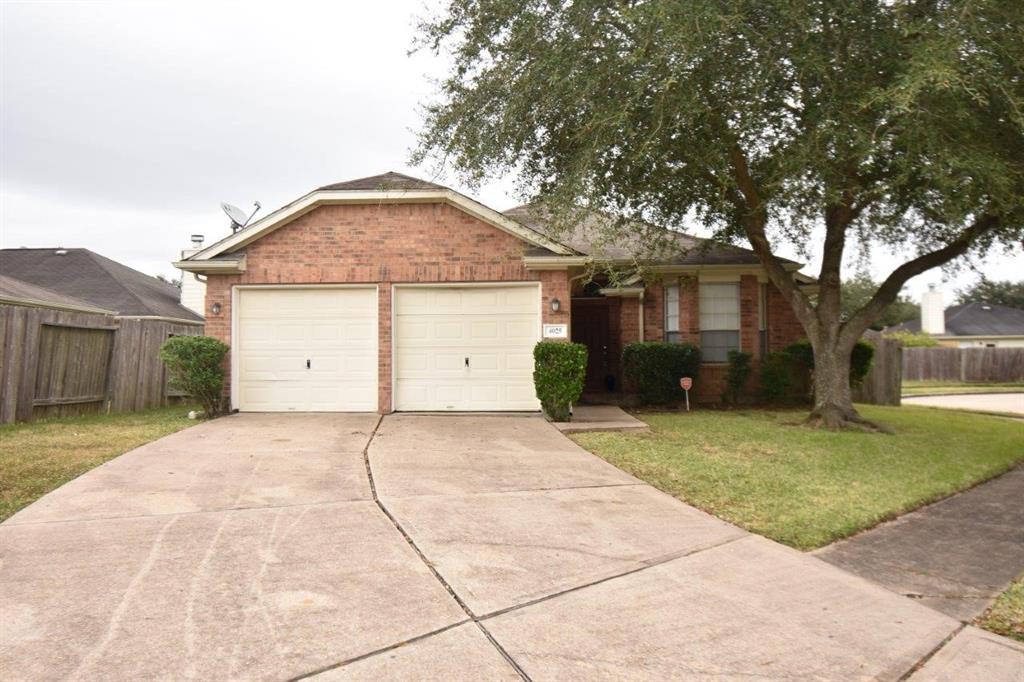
x,y
36,303
623,292
555,262
316,198
216,267
976,337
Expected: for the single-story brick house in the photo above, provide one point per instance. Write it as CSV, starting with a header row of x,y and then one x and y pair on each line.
x,y
391,293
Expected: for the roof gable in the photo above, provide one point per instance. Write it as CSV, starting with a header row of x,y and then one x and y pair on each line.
x,y
386,188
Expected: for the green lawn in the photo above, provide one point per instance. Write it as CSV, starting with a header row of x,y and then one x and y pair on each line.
x,y
1006,617
947,387
36,457
805,487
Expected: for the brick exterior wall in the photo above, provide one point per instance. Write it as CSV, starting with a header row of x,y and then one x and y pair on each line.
x,y
654,313
783,327
689,310
384,244
629,321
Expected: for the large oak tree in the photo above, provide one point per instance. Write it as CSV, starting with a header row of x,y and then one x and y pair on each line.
x,y
897,123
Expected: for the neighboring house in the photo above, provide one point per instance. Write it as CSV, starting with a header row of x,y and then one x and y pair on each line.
x,y
392,293
98,281
968,325
80,333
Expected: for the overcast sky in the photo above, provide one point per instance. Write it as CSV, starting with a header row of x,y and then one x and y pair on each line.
x,y
125,124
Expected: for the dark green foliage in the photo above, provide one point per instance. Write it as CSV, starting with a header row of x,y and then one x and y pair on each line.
x,y
857,291
195,364
1001,292
860,358
558,373
778,378
736,377
655,368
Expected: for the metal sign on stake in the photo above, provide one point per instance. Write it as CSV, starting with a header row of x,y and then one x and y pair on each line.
x,y
686,383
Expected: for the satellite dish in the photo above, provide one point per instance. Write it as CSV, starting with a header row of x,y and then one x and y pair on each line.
x,y
236,214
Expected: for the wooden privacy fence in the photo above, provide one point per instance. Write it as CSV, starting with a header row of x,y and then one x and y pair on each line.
x,y
976,365
882,384
57,362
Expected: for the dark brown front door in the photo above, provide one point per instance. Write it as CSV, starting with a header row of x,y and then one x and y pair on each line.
x,y
590,326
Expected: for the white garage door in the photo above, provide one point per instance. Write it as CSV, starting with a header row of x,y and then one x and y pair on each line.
x,y
466,348
306,350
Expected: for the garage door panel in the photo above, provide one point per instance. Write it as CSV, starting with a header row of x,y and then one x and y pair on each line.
x,y
437,328
279,330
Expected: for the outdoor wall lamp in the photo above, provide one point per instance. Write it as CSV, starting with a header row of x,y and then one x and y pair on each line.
x,y
215,308
556,305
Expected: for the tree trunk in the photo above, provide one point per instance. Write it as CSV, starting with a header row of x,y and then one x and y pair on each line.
x,y
833,401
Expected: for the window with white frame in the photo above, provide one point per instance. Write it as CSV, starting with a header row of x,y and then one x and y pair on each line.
x,y
719,320
672,313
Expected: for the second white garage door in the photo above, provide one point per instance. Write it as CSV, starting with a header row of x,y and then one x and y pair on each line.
x,y
465,348
306,349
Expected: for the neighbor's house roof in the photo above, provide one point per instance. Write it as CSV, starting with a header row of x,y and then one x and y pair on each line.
x,y
546,244
976,319
95,280
23,293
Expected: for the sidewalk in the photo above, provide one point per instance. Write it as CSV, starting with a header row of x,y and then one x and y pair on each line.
x,y
956,555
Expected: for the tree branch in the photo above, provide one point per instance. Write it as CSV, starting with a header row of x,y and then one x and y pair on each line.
x,y
754,217
890,288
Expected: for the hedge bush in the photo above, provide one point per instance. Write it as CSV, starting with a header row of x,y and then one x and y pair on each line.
x,y
777,377
655,368
195,364
558,373
860,358
740,368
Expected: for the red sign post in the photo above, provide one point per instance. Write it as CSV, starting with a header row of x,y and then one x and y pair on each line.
x,y
686,383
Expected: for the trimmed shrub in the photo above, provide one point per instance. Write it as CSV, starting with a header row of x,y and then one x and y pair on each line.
x,y
195,364
778,377
740,368
558,373
655,368
860,359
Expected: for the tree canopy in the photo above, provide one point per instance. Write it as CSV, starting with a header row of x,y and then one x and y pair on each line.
x,y
1003,292
826,124
859,289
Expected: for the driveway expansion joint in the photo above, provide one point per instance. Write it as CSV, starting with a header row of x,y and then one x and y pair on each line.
x,y
430,566
931,654
377,652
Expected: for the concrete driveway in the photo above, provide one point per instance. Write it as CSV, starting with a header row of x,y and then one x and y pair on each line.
x,y
1009,403
422,547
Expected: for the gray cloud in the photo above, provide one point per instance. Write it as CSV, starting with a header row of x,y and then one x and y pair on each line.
x,y
124,124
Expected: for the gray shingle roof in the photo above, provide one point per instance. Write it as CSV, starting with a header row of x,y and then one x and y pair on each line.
x,y
384,181
24,291
586,238
95,279
976,319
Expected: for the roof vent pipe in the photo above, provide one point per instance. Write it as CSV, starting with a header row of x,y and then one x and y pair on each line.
x,y
197,241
